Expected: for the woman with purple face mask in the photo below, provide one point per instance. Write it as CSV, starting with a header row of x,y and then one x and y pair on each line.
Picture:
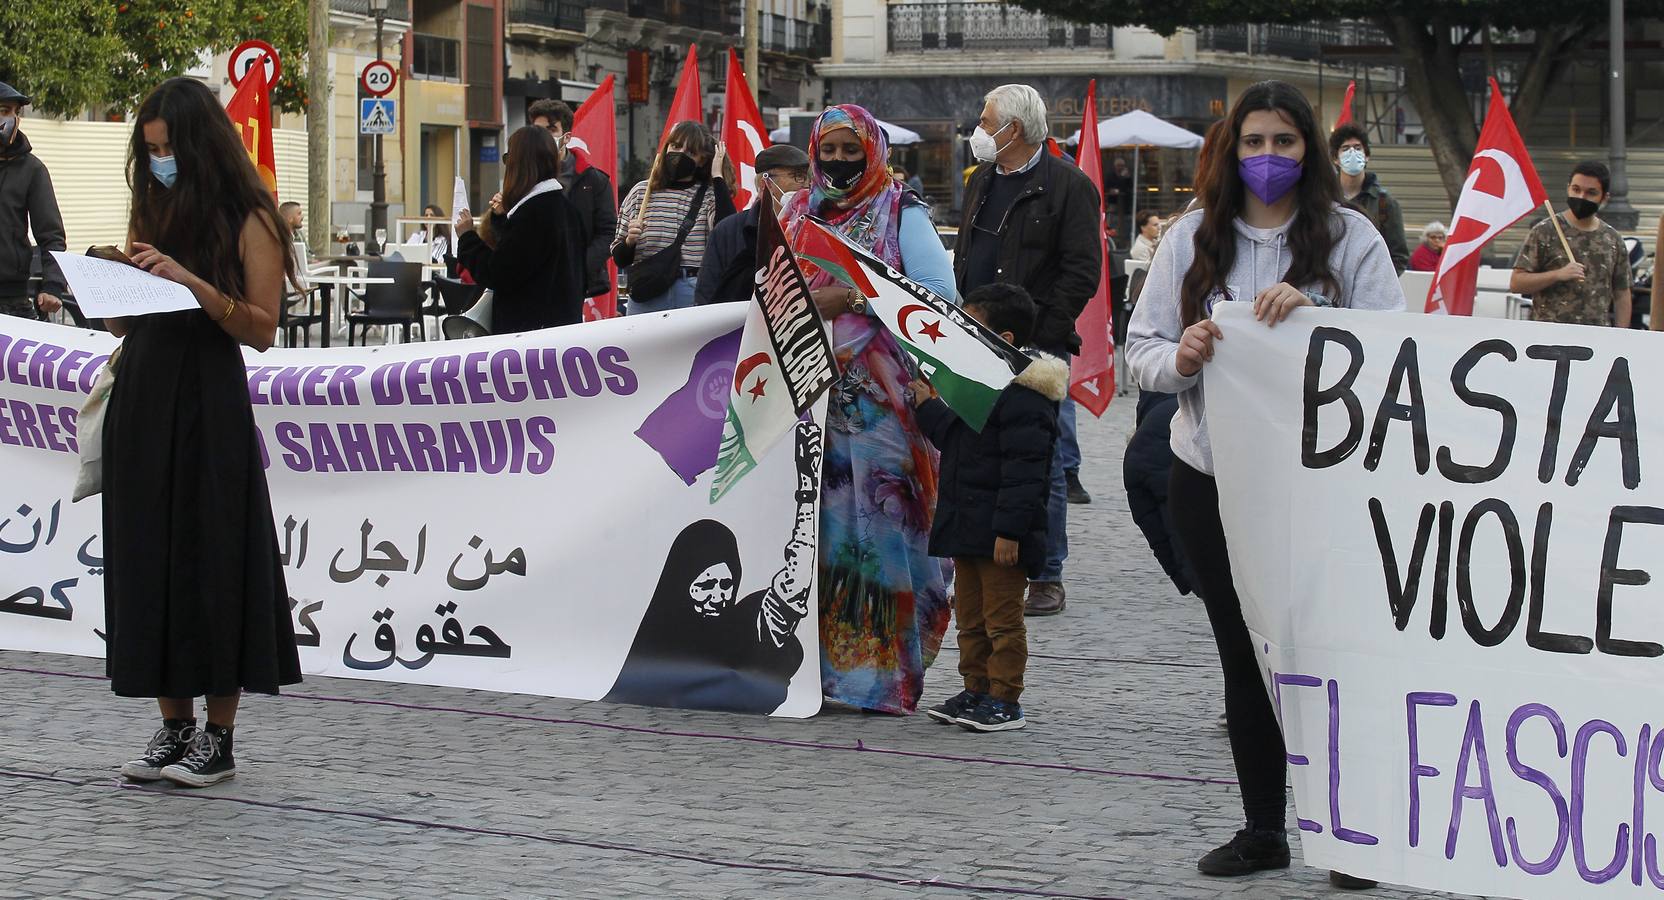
x,y
1269,229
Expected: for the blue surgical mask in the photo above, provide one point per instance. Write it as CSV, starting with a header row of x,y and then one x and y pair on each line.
x,y
165,168
1353,160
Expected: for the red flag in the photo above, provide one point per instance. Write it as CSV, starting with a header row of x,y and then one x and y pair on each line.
x,y
1092,371
689,103
250,110
1501,188
743,132
595,133
1346,104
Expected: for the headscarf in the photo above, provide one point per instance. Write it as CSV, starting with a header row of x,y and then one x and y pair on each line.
x,y
868,213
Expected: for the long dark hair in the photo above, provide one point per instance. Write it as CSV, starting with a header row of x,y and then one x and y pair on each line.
x,y
1220,191
532,157
199,221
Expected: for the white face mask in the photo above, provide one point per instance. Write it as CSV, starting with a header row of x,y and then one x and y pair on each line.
x,y
983,146
1353,161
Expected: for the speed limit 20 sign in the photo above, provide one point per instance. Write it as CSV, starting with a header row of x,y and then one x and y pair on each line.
x,y
378,78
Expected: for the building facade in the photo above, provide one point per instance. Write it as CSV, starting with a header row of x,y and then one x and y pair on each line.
x,y
560,49
927,65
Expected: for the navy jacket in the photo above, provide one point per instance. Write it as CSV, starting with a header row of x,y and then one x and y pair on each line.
x,y
996,483
1145,468
728,273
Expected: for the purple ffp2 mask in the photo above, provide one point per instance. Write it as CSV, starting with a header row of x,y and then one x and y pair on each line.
x,y
1269,176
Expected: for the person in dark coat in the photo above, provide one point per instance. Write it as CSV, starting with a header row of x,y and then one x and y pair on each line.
x,y
588,189
991,514
532,254
1032,219
700,645
1146,468
730,269
26,201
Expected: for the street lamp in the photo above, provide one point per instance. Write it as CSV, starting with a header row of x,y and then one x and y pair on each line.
x,y
378,174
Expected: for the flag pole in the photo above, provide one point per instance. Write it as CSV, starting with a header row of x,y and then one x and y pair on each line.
x,y
647,192
1564,244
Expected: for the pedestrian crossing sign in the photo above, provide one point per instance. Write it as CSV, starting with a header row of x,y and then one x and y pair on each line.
x,y
377,115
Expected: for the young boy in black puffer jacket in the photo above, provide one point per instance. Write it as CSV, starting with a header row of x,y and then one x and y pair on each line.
x,y
991,514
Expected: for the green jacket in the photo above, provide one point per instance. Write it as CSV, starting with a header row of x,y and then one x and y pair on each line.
x,y
1375,202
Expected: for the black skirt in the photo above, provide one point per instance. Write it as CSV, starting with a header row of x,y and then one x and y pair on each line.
x,y
194,598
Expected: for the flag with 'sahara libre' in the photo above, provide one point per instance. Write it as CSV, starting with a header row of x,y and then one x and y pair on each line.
x,y
785,360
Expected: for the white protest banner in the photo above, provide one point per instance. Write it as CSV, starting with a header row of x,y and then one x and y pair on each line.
x,y
106,289
1442,530
526,513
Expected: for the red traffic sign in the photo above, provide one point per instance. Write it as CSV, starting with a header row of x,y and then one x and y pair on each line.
x,y
378,78
245,55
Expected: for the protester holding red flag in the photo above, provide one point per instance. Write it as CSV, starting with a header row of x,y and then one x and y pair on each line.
x,y
1271,230
194,594
883,599
668,218
588,190
1591,285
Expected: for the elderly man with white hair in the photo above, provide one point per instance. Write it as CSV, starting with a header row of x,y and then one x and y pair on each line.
x,y
1033,220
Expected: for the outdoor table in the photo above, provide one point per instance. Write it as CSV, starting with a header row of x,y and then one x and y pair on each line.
x,y
326,285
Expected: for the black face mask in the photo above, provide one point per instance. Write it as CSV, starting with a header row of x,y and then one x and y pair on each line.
x,y
1582,208
843,174
679,166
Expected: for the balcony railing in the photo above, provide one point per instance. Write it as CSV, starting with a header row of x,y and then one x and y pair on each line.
x,y
779,34
710,15
561,14
434,57
396,9
929,27
1304,42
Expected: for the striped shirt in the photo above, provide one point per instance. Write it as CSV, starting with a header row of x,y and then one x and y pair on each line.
x,y
665,211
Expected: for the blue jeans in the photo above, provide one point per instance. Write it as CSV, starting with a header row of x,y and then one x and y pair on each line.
x,y
680,296
1065,457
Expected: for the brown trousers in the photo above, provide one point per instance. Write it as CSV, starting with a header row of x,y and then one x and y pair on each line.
x,y
993,641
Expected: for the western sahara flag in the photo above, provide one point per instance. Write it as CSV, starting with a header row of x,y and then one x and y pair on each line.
x,y
785,358
966,363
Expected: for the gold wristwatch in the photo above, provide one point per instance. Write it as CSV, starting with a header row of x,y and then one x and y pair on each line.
x,y
859,303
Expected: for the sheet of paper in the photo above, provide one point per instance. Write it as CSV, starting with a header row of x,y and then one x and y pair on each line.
x,y
106,289
459,197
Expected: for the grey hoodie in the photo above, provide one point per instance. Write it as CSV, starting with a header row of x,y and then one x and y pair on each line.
x,y
1360,262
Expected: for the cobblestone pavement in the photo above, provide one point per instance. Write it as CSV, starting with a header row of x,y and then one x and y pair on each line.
x,y
359,789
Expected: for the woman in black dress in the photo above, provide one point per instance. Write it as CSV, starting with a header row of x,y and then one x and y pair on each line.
x,y
194,599
532,258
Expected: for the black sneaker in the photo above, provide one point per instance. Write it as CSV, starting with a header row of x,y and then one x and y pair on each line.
x,y
207,761
166,747
1248,852
992,715
948,711
1077,491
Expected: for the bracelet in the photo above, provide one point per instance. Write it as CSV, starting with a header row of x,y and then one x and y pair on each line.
x,y
230,307
1320,301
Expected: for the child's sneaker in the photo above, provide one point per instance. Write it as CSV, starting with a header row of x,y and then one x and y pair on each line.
x,y
948,711
992,715
207,761
166,747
